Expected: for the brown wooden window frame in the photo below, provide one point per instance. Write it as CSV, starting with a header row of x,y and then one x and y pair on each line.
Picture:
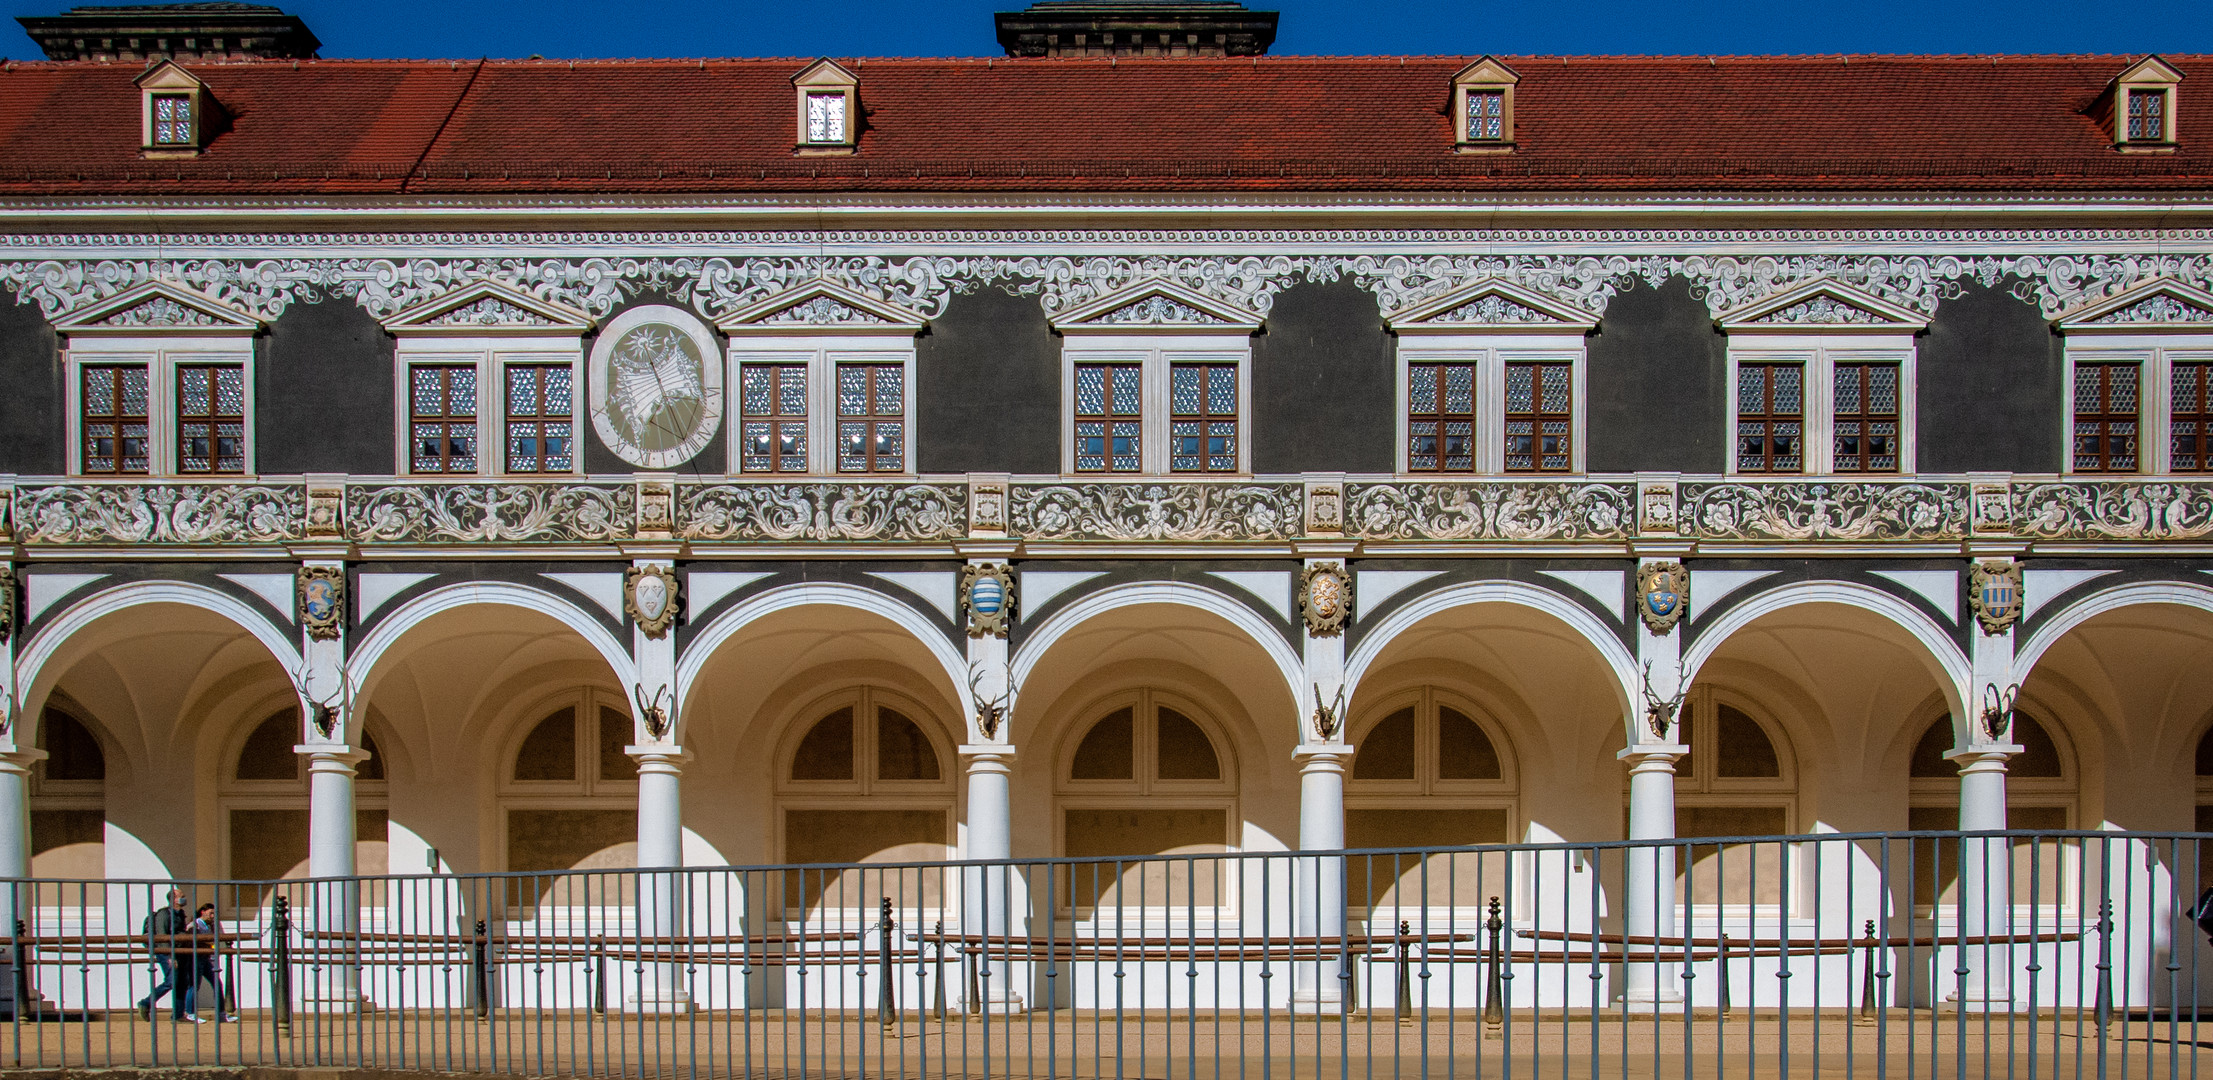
x,y
2104,418
1437,419
114,421
774,421
1769,417
1206,422
1538,419
545,423
2197,413
444,420
209,425
2147,114
1864,459
1111,418
871,420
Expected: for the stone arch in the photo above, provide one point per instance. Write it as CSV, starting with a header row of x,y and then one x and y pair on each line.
x,y
1939,651
720,630
1040,641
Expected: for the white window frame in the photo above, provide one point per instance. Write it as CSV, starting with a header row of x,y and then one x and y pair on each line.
x,y
1491,353
821,359
2155,356
162,356
1819,355
490,356
1154,354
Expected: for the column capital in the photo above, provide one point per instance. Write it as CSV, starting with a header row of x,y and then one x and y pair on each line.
x,y
1989,757
18,761
1653,757
1322,757
331,757
659,757
979,754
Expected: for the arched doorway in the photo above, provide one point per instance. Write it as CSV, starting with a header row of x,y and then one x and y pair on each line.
x,y
1146,778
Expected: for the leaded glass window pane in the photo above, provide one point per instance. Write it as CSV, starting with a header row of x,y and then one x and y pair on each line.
x,y
1104,394
2190,430
1771,418
1440,417
1538,416
1202,430
211,418
772,432
871,436
172,120
1486,115
441,418
1865,437
114,422
2105,418
825,118
2147,115
539,418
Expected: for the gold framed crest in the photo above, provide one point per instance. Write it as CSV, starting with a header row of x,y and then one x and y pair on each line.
x,y
649,594
322,601
1663,595
1325,598
987,598
1994,594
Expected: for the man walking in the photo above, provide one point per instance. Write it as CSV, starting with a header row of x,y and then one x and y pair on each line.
x,y
160,929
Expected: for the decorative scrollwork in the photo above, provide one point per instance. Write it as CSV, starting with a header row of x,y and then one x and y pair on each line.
x,y
2113,510
1493,510
822,512
1142,512
1825,511
79,514
490,513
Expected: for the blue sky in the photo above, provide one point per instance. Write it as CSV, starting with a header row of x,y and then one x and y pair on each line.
x,y
592,28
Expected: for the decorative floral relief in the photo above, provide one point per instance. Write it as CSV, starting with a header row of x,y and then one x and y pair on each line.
x,y
1824,511
2157,309
822,512
1491,510
1141,512
822,309
160,311
1823,310
2113,510
490,311
1494,309
490,513
159,514
1156,310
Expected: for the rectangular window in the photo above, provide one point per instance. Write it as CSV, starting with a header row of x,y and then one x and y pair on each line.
x,y
2147,115
825,118
1108,432
1866,418
211,418
1539,399
2105,417
772,436
1771,418
1202,406
540,412
1486,115
1440,417
2190,430
116,438
441,418
872,408
173,120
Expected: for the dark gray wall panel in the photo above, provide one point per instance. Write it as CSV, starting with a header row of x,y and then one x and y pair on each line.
x,y
32,427
987,387
1323,393
1990,386
324,394
1658,377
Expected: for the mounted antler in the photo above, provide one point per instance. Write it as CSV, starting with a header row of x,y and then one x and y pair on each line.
x,y
990,712
657,717
1659,712
1329,719
324,712
1997,710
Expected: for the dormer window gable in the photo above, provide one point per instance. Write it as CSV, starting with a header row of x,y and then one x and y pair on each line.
x,y
2143,107
177,113
1483,107
829,109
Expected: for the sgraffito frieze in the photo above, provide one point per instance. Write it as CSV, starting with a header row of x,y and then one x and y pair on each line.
x,y
2113,510
490,513
1172,512
1490,511
1824,511
104,514
822,512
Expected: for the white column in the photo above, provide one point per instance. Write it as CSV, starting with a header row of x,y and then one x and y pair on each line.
x,y
990,895
1986,870
1319,895
662,988
334,896
15,831
1655,745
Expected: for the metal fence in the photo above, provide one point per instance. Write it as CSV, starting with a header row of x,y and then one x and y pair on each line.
x,y
2035,953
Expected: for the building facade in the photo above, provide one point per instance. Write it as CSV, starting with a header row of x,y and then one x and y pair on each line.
x,y
525,465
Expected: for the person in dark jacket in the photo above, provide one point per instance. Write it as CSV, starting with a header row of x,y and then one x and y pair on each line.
x,y
159,927
206,946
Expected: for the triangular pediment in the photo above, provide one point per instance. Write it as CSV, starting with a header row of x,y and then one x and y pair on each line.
x,y
167,74
1824,306
158,307
2158,304
488,307
1157,306
824,72
1493,305
822,306
2151,70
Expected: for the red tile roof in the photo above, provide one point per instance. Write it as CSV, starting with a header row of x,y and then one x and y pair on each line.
x,y
1278,123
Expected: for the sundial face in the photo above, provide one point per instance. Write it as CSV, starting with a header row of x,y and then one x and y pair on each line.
x,y
656,386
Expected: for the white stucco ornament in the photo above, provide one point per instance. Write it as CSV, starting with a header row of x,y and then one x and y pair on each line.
x,y
655,386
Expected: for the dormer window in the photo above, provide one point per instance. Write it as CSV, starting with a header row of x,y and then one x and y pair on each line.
x,y
829,112
1483,107
175,110
2142,100
173,122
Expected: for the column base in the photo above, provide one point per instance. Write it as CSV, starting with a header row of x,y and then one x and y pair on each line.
x,y
1953,1002
659,1003
338,1004
1641,1000
995,1005
1317,1003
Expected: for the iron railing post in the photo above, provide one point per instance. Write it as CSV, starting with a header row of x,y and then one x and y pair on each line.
x,y
280,969
1405,987
2104,1004
598,946
1721,962
480,967
937,990
1867,976
20,978
1494,985
887,1003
